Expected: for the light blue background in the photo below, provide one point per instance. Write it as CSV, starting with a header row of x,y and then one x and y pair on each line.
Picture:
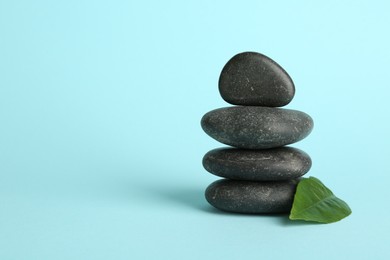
x,y
100,140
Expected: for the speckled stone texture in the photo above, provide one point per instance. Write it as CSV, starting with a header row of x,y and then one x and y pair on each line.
x,y
253,79
275,164
252,127
252,197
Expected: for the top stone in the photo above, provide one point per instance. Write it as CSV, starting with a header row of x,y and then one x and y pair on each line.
x,y
253,79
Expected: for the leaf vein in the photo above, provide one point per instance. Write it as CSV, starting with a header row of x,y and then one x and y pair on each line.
x,y
315,204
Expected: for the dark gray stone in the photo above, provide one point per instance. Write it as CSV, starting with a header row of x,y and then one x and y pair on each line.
x,y
251,127
252,197
275,164
253,79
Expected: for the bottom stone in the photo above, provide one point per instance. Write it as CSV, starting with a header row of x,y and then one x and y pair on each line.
x,y
252,197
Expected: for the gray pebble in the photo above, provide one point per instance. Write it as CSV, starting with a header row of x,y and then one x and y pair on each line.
x,y
252,127
253,79
275,164
252,197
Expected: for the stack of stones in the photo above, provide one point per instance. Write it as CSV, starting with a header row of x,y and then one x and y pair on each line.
x,y
260,173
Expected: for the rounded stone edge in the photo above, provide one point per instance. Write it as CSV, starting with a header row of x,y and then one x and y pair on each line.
x,y
298,152
256,104
203,124
284,208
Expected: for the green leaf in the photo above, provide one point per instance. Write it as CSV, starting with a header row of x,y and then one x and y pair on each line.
x,y
313,201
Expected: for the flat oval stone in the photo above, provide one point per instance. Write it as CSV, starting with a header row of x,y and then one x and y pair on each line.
x,y
274,164
251,127
252,197
253,79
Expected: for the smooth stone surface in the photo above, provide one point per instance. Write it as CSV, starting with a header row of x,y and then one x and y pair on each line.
x,y
251,127
253,79
275,164
252,197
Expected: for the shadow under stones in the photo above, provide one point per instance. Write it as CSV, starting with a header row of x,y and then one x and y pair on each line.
x,y
190,197
194,198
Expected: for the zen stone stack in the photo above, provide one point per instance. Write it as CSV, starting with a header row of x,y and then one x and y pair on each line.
x,y
259,171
